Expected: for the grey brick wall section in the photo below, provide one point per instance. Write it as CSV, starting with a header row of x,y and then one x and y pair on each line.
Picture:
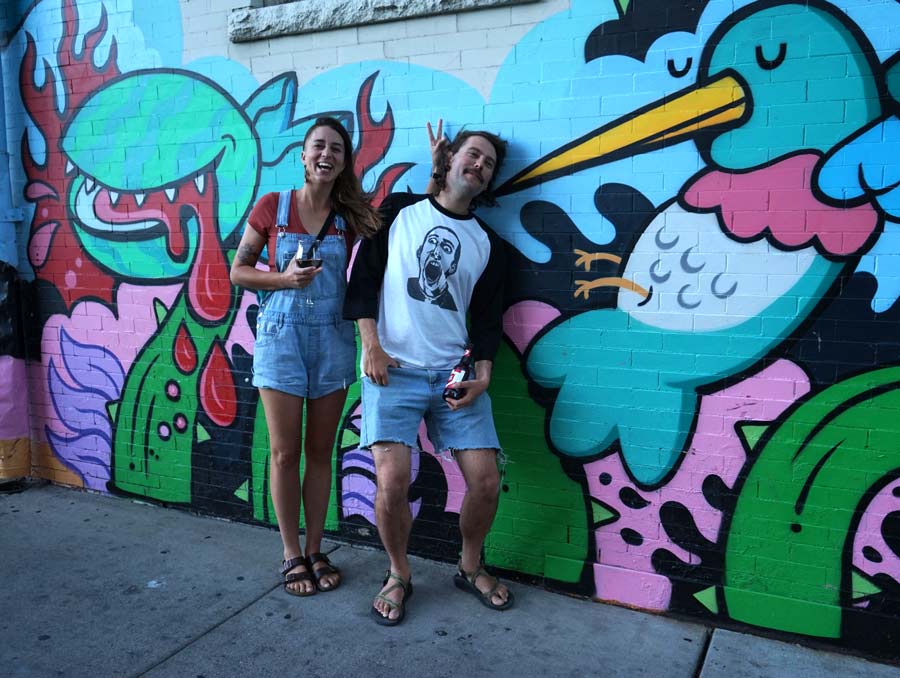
x,y
308,16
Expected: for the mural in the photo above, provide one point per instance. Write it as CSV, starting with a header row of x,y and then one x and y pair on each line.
x,y
701,376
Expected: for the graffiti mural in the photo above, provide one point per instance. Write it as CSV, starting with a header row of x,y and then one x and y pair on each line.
x,y
698,391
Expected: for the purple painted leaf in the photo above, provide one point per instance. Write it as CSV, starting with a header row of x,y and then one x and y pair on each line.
x,y
88,455
94,376
78,409
92,367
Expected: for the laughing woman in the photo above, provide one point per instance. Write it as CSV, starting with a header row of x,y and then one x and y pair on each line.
x,y
305,351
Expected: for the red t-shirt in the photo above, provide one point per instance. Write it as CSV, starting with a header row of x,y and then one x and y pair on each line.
x,y
263,217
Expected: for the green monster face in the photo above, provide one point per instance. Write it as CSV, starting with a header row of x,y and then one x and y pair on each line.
x,y
167,164
808,75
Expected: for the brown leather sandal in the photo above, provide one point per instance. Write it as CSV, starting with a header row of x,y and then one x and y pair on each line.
x,y
324,571
291,577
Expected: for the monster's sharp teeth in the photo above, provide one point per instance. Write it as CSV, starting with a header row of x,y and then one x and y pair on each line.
x,y
69,167
113,197
199,182
171,193
139,198
89,185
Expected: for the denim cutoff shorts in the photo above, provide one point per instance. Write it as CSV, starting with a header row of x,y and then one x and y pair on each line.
x,y
306,356
392,413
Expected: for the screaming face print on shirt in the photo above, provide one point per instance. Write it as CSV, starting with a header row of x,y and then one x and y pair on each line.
x,y
438,257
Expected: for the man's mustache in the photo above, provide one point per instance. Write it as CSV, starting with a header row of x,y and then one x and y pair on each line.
x,y
476,172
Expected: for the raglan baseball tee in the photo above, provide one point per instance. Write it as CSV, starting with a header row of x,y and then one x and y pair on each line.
x,y
421,274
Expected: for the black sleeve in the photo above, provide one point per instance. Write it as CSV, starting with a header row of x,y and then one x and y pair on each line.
x,y
367,273
486,307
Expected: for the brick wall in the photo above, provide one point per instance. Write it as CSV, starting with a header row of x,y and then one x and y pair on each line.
x,y
698,390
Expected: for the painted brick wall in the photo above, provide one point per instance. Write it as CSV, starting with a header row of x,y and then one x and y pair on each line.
x,y
698,393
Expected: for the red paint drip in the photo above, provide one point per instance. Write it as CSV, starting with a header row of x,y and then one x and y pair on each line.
x,y
218,396
185,350
209,286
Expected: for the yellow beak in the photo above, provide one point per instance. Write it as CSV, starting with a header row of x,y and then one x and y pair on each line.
x,y
723,101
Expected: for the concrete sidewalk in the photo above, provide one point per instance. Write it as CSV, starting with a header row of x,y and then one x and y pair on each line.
x,y
104,586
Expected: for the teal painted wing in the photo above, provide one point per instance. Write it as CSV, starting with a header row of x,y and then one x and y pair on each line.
x,y
608,394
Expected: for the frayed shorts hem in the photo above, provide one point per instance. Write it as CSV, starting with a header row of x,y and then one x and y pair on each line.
x,y
321,392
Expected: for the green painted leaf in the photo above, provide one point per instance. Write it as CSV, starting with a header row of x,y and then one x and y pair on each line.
x,y
861,585
602,514
707,598
242,492
750,433
202,434
160,310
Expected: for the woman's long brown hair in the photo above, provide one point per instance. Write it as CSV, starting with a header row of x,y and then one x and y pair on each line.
x,y
347,195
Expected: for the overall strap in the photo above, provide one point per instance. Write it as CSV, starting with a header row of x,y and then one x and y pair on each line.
x,y
281,223
314,248
284,206
322,231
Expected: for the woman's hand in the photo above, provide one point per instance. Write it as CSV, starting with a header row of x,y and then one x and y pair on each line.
x,y
296,277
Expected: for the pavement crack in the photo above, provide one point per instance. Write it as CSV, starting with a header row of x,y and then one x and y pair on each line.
x,y
186,644
701,660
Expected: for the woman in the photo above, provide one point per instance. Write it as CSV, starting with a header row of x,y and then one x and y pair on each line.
x,y
304,350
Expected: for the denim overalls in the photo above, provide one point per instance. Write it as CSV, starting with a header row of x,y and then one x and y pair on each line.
x,y
303,345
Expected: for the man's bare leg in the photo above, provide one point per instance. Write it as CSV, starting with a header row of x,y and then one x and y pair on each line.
x,y
392,469
479,468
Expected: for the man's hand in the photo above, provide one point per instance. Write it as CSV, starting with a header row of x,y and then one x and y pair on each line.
x,y
474,387
439,144
375,361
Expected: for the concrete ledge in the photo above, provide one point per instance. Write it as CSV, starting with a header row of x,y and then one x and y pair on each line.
x,y
308,16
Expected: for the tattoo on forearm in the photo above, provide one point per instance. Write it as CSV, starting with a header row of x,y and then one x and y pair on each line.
x,y
247,254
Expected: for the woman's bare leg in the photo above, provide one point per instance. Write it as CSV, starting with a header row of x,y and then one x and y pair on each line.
x,y
323,418
284,417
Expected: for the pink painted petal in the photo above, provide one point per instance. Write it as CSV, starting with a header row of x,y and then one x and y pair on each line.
x,y
35,190
39,246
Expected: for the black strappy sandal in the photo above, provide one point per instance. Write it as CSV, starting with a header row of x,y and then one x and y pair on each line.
x,y
324,571
465,581
400,583
291,577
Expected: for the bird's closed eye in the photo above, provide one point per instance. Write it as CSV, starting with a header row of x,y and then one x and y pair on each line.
x,y
676,72
771,64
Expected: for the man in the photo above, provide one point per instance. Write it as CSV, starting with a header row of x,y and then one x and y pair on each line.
x,y
411,288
